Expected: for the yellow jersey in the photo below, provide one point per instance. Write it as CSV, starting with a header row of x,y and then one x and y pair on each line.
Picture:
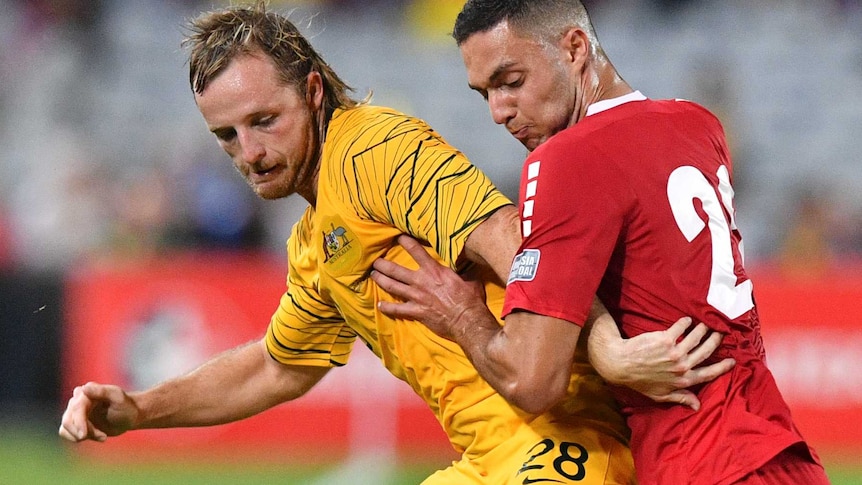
x,y
382,174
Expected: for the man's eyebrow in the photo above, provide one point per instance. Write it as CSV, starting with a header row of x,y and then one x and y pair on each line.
x,y
498,72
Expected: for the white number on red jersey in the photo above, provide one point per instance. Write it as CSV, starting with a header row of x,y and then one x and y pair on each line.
x,y
686,184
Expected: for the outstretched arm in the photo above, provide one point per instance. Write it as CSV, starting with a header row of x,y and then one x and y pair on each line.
x,y
233,385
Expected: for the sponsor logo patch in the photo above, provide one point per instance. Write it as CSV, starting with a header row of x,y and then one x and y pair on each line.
x,y
525,266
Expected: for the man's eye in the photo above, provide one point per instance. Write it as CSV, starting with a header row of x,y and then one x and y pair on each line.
x,y
225,135
266,121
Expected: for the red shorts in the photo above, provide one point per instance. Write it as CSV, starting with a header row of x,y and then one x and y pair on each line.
x,y
793,465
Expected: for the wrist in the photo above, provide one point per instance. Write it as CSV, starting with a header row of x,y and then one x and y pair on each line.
x,y
609,358
470,320
141,416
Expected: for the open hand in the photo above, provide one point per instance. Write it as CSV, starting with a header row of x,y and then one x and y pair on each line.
x,y
660,365
433,294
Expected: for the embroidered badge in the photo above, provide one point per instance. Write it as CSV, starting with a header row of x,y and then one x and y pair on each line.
x,y
341,249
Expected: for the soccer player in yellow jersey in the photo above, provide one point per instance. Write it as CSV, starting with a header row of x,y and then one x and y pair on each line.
x,y
369,174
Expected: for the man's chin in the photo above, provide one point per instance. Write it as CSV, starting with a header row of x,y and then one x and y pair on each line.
x,y
269,192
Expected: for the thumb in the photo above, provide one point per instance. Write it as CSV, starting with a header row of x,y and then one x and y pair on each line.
x,y
684,397
100,392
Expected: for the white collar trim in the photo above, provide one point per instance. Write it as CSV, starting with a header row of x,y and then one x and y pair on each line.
x,y
607,104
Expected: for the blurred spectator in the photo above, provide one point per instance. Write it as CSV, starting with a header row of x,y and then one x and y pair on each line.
x,y
433,20
220,212
807,247
142,213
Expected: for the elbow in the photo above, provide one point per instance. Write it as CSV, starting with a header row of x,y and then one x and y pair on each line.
x,y
536,396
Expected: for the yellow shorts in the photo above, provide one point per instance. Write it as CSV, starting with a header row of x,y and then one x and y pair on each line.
x,y
546,454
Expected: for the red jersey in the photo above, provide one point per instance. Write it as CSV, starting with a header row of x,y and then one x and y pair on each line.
x,y
634,204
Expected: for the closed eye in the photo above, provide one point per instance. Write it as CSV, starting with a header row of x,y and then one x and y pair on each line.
x,y
265,121
225,134
515,84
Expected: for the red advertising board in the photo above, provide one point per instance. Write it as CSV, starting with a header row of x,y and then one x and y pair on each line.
x,y
138,323
812,330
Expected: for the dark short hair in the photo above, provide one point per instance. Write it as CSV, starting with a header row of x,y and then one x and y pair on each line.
x,y
543,18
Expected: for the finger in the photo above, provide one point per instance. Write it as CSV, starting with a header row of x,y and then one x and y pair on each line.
x,y
686,398
693,339
74,420
95,434
416,250
99,392
710,372
705,349
391,286
67,434
393,270
69,428
404,311
679,327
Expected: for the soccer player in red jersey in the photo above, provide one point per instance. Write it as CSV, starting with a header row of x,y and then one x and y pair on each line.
x,y
623,197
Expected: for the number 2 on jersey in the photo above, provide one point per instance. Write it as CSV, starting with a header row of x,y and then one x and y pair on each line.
x,y
687,183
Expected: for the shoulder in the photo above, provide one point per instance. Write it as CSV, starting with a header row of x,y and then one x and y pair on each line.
x,y
374,135
574,149
692,109
374,123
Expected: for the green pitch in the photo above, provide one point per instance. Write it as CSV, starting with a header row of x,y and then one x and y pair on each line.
x,y
30,458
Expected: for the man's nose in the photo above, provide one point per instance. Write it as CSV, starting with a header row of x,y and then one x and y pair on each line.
x,y
251,150
502,110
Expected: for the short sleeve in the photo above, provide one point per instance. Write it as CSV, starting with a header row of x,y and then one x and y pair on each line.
x,y
572,215
307,331
404,173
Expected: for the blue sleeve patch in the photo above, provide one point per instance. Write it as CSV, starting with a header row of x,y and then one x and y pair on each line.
x,y
525,266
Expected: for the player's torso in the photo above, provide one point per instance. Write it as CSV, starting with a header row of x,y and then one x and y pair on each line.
x,y
342,240
683,252
683,257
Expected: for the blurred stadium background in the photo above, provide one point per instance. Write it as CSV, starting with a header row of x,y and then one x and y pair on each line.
x,y
129,251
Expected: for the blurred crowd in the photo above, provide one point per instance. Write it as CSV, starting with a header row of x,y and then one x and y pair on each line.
x,y
104,155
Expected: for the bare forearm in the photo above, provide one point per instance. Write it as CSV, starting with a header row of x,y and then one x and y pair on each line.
x,y
528,360
604,341
495,242
487,346
234,385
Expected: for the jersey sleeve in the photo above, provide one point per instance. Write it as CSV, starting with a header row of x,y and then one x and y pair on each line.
x,y
412,179
307,329
303,331
572,214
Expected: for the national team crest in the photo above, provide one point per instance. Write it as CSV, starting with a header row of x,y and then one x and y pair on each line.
x,y
335,240
341,249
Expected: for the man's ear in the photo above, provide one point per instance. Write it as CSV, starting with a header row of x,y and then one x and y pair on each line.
x,y
576,44
314,90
